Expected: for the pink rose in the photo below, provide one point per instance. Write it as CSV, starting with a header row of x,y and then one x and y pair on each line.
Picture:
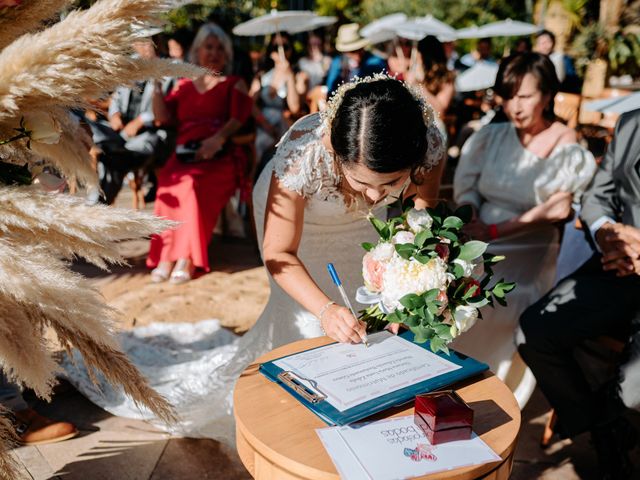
x,y
372,271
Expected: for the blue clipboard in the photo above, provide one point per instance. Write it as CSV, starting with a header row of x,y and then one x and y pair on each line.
x,y
314,400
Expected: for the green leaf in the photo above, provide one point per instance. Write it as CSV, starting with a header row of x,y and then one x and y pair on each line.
x,y
413,321
393,317
430,295
381,227
406,250
449,235
411,301
493,259
471,292
458,271
368,246
472,250
422,237
436,344
452,222
423,259
465,213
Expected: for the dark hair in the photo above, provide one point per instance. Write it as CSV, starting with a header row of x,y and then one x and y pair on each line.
x,y
513,69
434,62
548,34
380,125
267,63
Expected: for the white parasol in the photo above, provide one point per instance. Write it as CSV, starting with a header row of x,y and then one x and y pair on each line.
x,y
381,30
621,104
503,28
313,23
418,28
479,77
274,22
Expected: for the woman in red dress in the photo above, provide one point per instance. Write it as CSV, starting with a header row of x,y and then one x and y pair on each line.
x,y
193,188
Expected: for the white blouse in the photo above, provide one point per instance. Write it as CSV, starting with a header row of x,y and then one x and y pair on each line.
x,y
502,179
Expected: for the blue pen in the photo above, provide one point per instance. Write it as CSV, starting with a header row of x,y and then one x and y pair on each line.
x,y
343,294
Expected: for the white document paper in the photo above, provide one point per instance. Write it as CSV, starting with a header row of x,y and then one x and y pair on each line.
x,y
350,375
397,449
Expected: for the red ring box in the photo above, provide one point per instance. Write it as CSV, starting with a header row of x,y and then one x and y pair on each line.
x,y
443,417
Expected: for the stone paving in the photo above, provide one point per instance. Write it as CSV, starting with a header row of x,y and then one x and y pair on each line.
x,y
113,448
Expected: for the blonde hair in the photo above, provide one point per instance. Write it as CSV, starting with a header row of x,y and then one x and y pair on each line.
x,y
212,30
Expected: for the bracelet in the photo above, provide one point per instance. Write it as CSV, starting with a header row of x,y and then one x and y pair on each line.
x,y
324,309
493,231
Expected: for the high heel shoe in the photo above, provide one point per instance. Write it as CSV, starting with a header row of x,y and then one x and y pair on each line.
x,y
162,272
182,272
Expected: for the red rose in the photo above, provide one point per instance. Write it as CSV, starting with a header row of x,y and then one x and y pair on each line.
x,y
470,284
443,251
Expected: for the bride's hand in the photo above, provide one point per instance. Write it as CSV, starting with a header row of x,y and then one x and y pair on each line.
x,y
339,324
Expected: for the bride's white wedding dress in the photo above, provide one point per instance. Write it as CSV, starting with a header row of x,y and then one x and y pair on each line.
x,y
195,366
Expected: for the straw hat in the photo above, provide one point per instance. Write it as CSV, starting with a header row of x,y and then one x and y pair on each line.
x,y
348,39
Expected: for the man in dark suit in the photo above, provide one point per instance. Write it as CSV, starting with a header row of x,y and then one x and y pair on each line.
x,y
601,298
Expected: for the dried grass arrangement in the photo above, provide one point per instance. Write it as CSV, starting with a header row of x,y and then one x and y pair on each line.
x,y
45,69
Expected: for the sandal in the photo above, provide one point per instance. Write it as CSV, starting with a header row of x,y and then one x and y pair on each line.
x,y
161,273
182,272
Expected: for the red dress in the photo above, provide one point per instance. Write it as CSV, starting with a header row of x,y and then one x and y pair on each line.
x,y
195,194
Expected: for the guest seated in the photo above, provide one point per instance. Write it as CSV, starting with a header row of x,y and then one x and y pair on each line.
x,y
275,93
315,64
482,53
130,139
31,427
435,79
355,61
520,177
601,298
201,175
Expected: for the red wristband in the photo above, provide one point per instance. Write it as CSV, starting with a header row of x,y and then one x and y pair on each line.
x,y
493,231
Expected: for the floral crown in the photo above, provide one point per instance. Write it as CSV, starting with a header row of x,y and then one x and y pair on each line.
x,y
329,114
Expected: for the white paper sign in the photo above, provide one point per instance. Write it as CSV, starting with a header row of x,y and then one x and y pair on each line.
x,y
350,375
397,449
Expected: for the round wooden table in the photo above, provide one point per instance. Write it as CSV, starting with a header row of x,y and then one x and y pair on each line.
x,y
277,440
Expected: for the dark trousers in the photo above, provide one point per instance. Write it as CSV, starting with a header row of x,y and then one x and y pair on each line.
x,y
587,304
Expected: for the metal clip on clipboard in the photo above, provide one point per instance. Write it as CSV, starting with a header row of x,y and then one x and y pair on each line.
x,y
308,393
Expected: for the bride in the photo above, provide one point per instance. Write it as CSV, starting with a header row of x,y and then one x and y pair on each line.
x,y
377,140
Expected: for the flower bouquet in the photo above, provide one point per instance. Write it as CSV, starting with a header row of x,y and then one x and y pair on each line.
x,y
424,275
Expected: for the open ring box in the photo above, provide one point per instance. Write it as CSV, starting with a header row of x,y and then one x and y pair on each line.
x,y
443,416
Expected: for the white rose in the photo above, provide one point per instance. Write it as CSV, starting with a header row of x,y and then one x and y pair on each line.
x,y
384,251
42,127
403,237
419,220
467,267
465,317
402,277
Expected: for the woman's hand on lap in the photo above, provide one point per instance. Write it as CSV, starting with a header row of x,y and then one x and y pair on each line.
x,y
557,208
209,148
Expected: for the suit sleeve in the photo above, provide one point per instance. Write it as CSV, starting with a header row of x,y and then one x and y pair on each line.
x,y
601,199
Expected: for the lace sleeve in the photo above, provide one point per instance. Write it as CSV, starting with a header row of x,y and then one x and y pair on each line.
x,y
570,168
297,162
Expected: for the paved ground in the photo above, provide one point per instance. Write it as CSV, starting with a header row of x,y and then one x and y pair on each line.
x,y
112,448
